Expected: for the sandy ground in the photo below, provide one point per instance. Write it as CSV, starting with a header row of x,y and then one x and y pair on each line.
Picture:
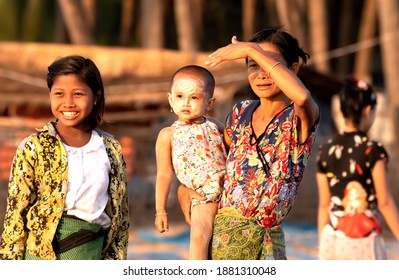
x,y
147,244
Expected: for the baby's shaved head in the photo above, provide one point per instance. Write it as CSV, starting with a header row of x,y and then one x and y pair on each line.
x,y
185,85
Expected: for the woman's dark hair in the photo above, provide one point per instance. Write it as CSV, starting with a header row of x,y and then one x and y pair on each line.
x,y
287,45
355,96
86,70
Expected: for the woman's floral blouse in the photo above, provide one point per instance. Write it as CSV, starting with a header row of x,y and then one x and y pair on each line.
x,y
263,174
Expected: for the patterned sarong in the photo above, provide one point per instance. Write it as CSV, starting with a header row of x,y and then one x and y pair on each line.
x,y
236,237
90,250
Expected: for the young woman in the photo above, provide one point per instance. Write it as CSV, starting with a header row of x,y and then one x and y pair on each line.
x,y
269,143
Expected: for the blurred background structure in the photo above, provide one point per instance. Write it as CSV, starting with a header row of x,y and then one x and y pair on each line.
x,y
138,44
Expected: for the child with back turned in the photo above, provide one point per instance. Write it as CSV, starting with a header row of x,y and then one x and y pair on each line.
x,y
353,185
192,148
67,193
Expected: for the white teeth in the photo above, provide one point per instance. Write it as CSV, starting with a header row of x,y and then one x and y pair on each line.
x,y
69,114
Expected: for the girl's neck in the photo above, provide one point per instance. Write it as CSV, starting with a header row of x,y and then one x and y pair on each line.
x,y
350,127
72,136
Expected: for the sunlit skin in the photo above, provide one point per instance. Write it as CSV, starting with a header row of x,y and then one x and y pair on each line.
x,y
275,92
262,85
188,99
71,103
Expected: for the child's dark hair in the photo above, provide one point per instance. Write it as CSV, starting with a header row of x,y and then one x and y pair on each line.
x,y
199,71
86,70
287,45
355,96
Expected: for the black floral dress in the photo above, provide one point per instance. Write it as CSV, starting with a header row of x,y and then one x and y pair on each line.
x,y
354,231
348,160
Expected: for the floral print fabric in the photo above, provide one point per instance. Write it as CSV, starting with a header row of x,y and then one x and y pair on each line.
x,y
199,157
347,160
238,238
36,196
263,177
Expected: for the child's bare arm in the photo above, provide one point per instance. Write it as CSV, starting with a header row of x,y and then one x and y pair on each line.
x,y
386,203
164,177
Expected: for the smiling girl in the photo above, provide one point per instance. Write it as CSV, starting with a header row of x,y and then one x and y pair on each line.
x,y
67,193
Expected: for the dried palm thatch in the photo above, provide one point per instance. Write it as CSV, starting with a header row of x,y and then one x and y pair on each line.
x,y
135,79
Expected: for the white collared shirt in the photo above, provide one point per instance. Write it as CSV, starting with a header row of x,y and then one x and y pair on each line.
x,y
88,179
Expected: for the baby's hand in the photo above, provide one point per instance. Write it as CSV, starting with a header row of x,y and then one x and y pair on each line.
x,y
161,222
185,196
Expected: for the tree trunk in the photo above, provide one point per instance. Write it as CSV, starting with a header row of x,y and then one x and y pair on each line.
x,y
291,17
319,35
31,19
152,23
248,17
76,22
297,18
198,7
126,22
271,12
89,11
389,26
368,27
345,37
185,23
283,11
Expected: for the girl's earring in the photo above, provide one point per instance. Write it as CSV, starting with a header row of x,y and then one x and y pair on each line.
x,y
171,109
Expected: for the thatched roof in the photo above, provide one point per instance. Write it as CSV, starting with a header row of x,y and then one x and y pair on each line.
x,y
136,80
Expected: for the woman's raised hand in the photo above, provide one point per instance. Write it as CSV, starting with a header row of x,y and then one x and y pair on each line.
x,y
233,51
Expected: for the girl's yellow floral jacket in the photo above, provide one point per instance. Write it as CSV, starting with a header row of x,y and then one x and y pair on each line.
x,y
36,194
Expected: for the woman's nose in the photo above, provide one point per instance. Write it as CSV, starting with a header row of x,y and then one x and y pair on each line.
x,y
262,73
